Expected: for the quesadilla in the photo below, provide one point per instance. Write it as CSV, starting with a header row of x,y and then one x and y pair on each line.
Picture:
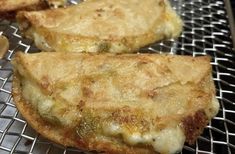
x,y
128,103
101,26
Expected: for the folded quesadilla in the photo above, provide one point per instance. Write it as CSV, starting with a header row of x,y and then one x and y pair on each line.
x,y
131,103
101,25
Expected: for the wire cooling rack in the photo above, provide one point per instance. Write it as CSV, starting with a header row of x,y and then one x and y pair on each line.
x,y
206,32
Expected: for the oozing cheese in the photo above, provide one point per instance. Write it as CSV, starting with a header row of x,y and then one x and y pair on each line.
x,y
168,140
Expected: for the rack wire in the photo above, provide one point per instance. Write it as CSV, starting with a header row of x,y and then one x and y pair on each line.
x,y
206,32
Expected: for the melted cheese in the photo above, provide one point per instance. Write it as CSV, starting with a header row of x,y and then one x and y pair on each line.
x,y
168,140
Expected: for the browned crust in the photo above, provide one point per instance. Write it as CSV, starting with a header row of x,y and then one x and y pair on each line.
x,y
193,125
130,42
10,13
31,116
64,136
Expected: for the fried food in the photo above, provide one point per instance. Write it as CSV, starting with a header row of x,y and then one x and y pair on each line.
x,y
128,103
8,8
101,26
12,5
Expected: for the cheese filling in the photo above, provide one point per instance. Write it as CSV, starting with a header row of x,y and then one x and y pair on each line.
x,y
168,140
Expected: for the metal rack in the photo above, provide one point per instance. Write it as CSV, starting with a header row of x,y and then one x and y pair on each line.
x,y
206,32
